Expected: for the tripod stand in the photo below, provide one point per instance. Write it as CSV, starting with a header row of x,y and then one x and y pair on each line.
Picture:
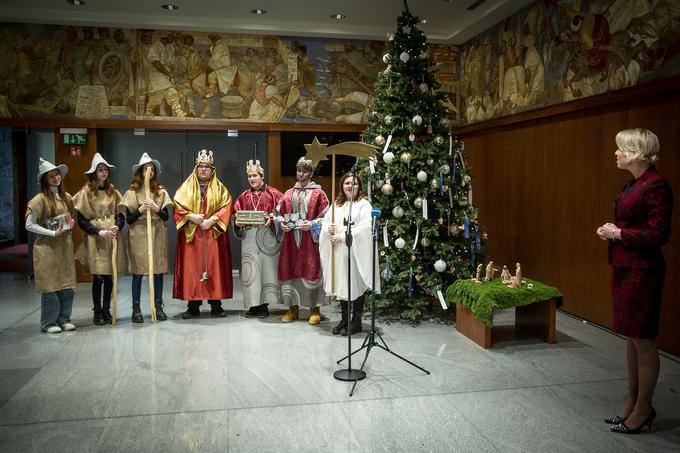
x,y
370,340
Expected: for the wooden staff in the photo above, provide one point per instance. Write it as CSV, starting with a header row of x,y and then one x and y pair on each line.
x,y
114,267
333,221
149,244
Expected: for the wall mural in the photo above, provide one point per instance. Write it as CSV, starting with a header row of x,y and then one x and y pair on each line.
x,y
112,73
559,50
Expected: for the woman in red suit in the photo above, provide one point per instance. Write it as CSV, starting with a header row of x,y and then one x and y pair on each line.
x,y
642,224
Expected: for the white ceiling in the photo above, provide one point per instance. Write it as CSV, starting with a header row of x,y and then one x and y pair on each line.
x,y
447,21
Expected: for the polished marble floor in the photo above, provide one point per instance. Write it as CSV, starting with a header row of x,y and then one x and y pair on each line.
x,y
255,385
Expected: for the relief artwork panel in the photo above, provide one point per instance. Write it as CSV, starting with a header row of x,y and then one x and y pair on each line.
x,y
112,73
560,50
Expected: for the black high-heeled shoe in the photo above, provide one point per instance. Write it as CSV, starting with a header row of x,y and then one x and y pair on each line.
x,y
623,429
615,420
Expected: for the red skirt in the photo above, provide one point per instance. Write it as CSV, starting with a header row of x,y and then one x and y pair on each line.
x,y
637,300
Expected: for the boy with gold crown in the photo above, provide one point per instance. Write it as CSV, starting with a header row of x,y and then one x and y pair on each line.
x,y
259,249
203,256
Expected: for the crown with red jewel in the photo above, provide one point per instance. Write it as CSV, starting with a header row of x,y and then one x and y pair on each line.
x,y
205,157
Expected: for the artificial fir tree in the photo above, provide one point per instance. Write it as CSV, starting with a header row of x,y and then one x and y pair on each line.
x,y
431,236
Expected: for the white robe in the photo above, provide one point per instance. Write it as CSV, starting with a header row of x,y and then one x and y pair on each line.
x,y
361,262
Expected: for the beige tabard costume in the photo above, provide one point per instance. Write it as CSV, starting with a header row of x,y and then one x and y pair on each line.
x,y
53,262
95,252
138,260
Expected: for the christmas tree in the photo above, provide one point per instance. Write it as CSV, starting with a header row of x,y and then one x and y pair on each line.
x,y
420,181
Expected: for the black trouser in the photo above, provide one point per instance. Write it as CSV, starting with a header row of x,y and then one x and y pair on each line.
x,y
194,304
99,283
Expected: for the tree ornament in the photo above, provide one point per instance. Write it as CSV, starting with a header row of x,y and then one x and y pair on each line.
x,y
441,221
418,202
439,139
425,242
440,265
405,157
387,189
418,277
429,161
390,36
386,58
407,29
380,140
417,120
400,243
412,137
388,119
424,87
445,188
424,55
404,56
388,157
445,169
382,253
434,183
413,257
397,212
422,176
445,122
429,128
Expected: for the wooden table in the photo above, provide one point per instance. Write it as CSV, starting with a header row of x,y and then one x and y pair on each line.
x,y
475,305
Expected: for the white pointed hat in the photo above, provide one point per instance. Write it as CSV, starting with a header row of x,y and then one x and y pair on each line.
x,y
45,166
96,160
145,159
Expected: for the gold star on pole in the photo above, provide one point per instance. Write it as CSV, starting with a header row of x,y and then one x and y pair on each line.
x,y
316,151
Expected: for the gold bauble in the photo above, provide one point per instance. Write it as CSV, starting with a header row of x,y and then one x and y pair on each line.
x,y
413,257
418,202
382,253
380,140
430,161
405,157
418,277
445,188
425,242
412,137
387,189
441,221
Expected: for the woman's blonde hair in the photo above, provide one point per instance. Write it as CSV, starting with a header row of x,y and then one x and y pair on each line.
x,y
638,144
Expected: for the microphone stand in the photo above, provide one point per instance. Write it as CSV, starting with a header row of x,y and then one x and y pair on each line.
x,y
370,339
349,374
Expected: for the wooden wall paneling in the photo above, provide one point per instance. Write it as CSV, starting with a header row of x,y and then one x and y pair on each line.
x,y
75,179
543,186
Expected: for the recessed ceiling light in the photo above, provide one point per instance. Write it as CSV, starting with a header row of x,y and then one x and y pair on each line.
x,y
170,7
423,21
76,2
258,11
338,16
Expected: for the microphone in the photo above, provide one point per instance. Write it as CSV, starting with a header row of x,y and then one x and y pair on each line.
x,y
376,212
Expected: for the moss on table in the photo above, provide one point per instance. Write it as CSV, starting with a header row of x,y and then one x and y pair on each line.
x,y
482,299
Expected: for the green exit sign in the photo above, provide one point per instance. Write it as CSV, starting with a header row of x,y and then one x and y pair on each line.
x,y
75,139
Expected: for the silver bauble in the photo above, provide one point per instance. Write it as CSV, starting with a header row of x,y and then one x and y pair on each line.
x,y
388,119
404,56
412,137
400,243
418,202
397,212
386,58
423,87
388,157
445,169
439,139
422,176
417,120
440,265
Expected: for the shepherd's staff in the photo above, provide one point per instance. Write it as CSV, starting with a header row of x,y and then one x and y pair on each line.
x,y
149,244
114,267
316,152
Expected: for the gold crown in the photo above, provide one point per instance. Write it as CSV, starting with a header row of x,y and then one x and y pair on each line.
x,y
204,157
254,167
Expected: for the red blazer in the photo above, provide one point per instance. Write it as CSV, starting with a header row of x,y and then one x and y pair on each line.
x,y
643,211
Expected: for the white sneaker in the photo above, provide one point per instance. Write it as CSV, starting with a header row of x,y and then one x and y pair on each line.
x,y
68,326
54,329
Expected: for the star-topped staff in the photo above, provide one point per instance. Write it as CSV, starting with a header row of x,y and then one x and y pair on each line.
x,y
317,151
